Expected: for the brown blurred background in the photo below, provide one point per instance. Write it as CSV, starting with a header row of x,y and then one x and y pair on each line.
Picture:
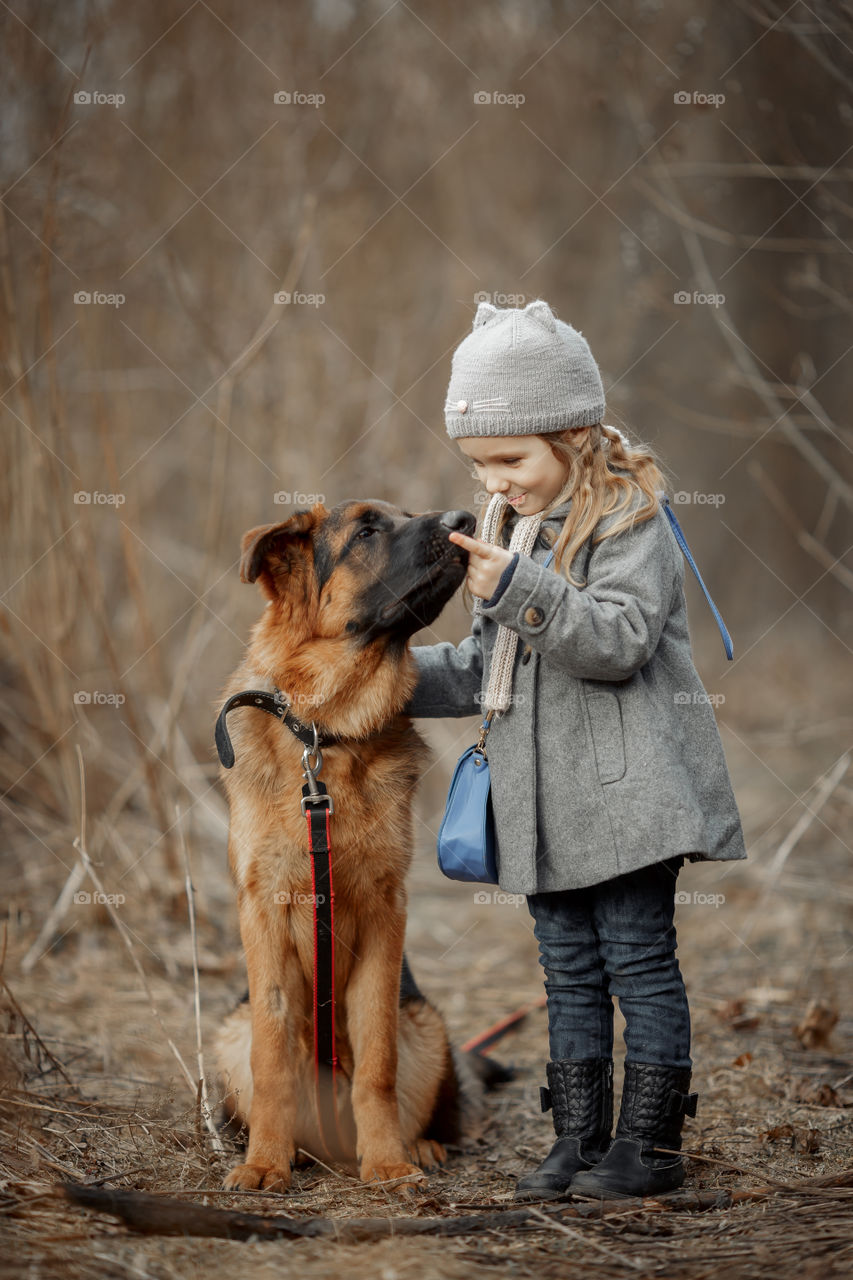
x,y
674,179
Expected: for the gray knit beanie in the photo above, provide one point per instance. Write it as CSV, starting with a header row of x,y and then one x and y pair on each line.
x,y
520,372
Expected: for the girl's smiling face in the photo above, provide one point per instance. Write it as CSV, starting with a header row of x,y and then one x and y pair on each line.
x,y
525,468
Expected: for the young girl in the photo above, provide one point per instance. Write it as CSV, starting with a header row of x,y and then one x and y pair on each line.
x,y
606,763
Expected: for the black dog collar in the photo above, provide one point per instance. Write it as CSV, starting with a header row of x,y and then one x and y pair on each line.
x,y
275,705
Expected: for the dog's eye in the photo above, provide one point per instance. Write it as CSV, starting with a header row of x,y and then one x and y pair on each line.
x,y
365,533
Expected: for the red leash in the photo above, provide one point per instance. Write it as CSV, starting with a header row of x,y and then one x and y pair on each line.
x,y
317,805
498,1029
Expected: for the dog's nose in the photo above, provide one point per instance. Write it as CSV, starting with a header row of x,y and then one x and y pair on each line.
x,y
461,521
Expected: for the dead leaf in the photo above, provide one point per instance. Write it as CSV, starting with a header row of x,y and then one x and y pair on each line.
x,y
805,1140
775,1135
814,1030
815,1093
733,1014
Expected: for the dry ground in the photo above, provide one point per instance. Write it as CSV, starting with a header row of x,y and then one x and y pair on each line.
x,y
114,1106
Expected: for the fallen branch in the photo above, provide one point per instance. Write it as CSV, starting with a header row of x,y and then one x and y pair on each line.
x,y
161,1215
164,1215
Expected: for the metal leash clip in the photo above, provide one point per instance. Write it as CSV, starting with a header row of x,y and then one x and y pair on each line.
x,y
310,772
484,729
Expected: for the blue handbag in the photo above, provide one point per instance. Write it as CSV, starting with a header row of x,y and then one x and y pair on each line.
x,y
466,837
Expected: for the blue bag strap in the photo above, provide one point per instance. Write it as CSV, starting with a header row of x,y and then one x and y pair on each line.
x,y
682,542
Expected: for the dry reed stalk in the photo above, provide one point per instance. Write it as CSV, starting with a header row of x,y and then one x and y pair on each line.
x,y
809,542
225,386
31,1031
183,671
63,902
203,1100
79,845
826,787
666,198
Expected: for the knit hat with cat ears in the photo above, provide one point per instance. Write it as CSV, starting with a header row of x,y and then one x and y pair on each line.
x,y
520,372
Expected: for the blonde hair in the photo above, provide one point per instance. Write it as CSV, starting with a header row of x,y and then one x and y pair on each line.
x,y
595,490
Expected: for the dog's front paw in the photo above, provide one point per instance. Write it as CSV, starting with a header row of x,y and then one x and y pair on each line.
x,y
427,1152
410,1175
257,1177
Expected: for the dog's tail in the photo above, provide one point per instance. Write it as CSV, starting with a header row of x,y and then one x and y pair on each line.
x,y
488,1071
232,1047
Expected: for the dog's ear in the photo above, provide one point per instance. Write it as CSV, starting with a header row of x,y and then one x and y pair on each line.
x,y
258,544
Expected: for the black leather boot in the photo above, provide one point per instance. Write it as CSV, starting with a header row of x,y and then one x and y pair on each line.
x,y
654,1103
580,1090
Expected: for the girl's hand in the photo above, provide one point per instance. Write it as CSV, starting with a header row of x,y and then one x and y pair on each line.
x,y
486,563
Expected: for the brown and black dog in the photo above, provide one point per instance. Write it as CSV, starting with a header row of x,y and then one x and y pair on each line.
x,y
346,590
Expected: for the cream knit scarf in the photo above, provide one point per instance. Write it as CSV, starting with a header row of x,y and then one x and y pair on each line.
x,y
503,655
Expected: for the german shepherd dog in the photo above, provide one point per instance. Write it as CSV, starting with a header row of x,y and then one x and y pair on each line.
x,y
346,589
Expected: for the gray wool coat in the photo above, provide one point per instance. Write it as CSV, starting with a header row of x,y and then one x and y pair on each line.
x,y
609,757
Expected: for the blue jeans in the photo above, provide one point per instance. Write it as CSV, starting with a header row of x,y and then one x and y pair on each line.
x,y
614,938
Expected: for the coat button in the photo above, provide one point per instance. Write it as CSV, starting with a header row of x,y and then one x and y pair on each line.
x,y
525,657
533,616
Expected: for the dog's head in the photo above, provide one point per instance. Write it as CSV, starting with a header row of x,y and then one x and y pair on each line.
x,y
362,570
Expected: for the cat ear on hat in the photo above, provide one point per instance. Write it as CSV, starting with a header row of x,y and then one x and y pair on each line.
x,y
542,314
485,311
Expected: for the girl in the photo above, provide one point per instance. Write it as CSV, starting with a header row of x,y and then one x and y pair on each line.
x,y
606,763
